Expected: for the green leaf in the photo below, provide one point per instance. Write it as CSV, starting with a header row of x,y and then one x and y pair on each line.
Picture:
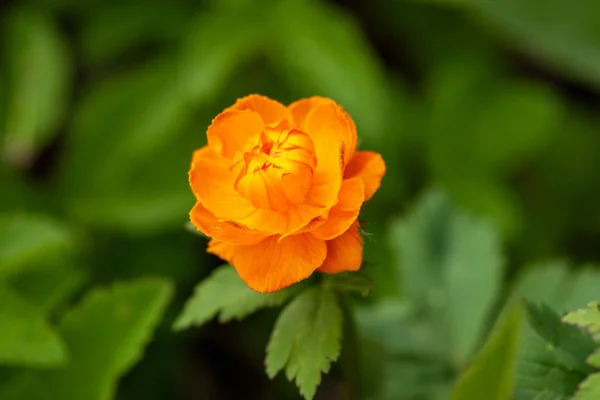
x,y
25,337
306,339
451,263
401,329
587,318
563,37
226,295
38,74
491,373
27,238
552,357
473,273
557,285
589,389
594,359
105,335
49,287
419,238
323,51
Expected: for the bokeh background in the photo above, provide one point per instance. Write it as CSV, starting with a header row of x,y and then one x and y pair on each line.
x,y
102,103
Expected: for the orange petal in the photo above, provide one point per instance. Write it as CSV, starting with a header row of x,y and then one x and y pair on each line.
x,y
221,249
302,107
344,253
232,129
274,264
370,167
271,111
212,182
281,222
319,116
223,231
345,212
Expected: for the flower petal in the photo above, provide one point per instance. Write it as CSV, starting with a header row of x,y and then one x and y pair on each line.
x,y
274,264
232,129
281,222
212,182
345,212
324,118
302,107
370,167
223,231
271,111
344,253
221,249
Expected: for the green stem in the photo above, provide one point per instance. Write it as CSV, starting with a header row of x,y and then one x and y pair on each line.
x,y
349,357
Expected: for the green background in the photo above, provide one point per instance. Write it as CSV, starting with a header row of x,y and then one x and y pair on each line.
x,y
493,102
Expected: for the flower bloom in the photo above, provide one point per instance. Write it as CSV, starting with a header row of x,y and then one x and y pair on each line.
x,y
279,190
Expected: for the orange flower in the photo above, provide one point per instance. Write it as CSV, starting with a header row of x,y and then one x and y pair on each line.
x,y
279,190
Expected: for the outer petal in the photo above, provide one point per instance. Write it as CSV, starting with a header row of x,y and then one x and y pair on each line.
x,y
231,129
344,253
282,222
370,167
221,249
212,181
345,212
274,264
302,107
223,231
320,116
270,110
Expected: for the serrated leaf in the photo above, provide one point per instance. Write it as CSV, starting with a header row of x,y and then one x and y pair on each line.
x,y
49,287
306,339
328,38
587,318
552,357
491,373
29,237
38,73
451,264
225,295
105,335
589,389
26,339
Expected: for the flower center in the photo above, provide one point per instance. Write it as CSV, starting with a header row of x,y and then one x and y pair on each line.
x,y
276,168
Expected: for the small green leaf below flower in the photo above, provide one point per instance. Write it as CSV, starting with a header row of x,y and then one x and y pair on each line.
x,y
224,294
306,339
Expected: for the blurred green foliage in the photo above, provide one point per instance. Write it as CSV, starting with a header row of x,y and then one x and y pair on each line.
x,y
493,102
